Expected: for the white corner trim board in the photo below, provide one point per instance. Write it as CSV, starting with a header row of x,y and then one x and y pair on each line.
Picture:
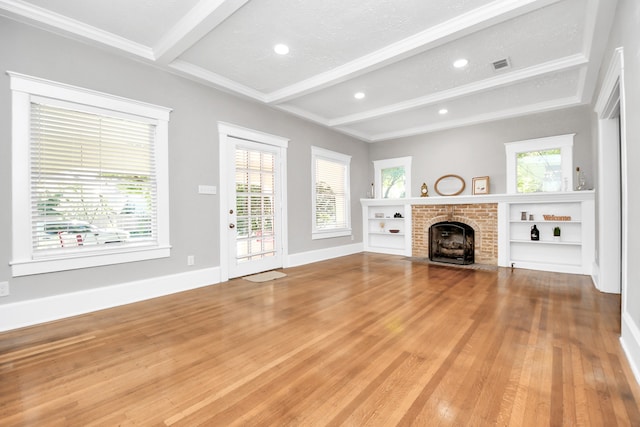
x,y
31,312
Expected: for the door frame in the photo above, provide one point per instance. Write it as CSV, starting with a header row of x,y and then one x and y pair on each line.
x,y
226,131
612,193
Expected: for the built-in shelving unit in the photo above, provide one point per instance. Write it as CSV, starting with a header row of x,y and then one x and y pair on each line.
x,y
571,252
379,219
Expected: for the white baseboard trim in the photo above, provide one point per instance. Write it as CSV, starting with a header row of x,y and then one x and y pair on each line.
x,y
630,340
309,257
31,312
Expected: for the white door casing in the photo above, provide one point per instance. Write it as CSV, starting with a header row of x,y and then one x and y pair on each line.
x,y
232,137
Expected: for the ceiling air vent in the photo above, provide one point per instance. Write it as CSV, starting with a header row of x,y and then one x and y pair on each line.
x,y
501,64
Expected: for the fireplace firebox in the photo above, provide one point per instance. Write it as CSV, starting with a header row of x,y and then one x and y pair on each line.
x,y
451,242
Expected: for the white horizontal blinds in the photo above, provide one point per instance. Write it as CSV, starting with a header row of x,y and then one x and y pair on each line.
x,y
330,186
90,169
255,205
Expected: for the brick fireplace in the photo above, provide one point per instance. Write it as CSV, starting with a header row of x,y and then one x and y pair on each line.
x,y
482,217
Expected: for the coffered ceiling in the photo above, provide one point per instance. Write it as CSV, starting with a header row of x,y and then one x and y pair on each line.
x,y
398,53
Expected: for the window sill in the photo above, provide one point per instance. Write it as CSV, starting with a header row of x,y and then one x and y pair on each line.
x,y
330,234
95,259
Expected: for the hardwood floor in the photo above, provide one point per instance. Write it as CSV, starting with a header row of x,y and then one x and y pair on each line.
x,y
361,340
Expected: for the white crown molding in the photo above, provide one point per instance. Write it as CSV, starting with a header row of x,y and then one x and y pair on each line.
x,y
599,19
200,75
465,24
563,64
25,12
203,18
481,118
303,114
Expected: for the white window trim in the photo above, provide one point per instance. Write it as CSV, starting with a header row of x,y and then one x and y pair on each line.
x,y
564,142
379,165
338,157
24,88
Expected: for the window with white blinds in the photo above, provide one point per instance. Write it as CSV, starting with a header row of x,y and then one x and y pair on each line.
x,y
91,178
331,199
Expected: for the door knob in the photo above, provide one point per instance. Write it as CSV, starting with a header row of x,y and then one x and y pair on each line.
x,y
232,226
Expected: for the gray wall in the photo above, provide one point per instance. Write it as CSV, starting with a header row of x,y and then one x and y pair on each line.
x,y
193,153
479,150
626,34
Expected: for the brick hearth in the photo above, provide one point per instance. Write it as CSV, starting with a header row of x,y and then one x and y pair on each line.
x,y
483,217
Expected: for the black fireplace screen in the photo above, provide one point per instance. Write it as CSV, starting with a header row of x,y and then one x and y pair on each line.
x,y
451,242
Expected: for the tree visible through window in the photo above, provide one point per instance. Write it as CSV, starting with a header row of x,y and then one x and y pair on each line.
x,y
539,171
540,165
393,183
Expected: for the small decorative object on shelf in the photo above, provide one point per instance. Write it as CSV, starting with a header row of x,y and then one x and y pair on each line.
x,y
580,179
530,217
481,185
397,215
378,215
556,218
424,190
523,216
556,233
394,231
535,233
382,227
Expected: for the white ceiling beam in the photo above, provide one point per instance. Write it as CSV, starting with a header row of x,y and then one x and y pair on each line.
x,y
563,64
525,110
463,25
198,22
199,74
60,24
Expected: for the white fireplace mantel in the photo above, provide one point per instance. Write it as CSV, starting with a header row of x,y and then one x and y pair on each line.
x,y
569,196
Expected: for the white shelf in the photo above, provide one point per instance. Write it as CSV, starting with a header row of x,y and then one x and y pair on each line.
x,y
573,253
546,242
382,241
544,221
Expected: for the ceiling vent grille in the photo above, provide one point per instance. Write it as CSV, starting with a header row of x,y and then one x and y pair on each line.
x,y
501,64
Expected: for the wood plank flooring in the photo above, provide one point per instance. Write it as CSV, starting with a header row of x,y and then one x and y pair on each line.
x,y
361,340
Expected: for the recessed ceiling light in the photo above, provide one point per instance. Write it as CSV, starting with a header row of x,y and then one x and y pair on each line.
x,y
281,49
443,111
359,95
460,63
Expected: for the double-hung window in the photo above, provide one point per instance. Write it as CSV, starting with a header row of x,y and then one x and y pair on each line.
x,y
330,188
89,178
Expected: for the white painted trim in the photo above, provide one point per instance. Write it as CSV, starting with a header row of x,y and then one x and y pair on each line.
x,y
612,92
64,25
630,341
519,76
206,77
225,131
303,258
460,26
57,90
203,18
480,118
31,312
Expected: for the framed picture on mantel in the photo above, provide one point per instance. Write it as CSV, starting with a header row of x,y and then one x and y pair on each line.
x,y
481,185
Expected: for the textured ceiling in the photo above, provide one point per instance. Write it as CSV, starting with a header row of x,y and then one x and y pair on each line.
x,y
399,53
